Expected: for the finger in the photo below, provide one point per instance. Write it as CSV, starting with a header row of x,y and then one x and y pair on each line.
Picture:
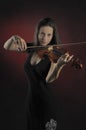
x,y
14,38
18,49
65,57
24,46
70,57
22,43
19,43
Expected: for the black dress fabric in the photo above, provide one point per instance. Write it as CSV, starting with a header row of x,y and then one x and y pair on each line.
x,y
42,111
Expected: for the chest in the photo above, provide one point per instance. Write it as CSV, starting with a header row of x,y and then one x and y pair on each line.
x,y
35,59
41,66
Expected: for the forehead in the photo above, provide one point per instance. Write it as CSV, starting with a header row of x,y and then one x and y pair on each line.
x,y
46,29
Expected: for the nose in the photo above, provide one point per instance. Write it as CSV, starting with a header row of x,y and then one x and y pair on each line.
x,y
45,37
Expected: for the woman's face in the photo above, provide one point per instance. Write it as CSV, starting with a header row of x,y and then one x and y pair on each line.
x,y
45,35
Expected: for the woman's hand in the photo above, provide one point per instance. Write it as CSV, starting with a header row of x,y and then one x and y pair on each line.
x,y
19,43
15,43
64,59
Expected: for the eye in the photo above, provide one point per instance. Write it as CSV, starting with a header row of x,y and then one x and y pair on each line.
x,y
42,33
49,35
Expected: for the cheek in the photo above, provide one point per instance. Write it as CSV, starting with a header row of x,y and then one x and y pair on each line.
x,y
50,38
39,37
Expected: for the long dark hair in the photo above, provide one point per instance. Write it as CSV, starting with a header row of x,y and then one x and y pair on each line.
x,y
47,22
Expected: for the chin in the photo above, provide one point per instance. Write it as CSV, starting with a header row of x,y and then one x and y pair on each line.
x,y
43,44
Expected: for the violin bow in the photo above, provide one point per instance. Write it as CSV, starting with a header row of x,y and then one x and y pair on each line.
x,y
56,45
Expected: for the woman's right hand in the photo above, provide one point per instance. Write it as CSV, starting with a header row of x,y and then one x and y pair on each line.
x,y
15,43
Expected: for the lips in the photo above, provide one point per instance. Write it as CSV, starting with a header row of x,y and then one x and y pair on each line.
x,y
43,42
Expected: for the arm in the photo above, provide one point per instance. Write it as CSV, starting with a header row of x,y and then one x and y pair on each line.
x,y
15,43
56,68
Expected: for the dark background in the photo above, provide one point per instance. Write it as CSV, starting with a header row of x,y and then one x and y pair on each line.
x,y
20,17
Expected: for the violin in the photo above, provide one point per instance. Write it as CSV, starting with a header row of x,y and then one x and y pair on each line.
x,y
54,52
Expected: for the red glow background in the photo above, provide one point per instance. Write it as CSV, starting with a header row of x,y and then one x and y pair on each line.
x,y
20,17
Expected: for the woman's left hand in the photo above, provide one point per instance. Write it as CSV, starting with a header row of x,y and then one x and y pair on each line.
x,y
64,59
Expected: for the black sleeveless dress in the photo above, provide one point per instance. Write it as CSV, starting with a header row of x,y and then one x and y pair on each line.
x,y
42,111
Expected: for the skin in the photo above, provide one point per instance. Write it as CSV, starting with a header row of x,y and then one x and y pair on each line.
x,y
45,35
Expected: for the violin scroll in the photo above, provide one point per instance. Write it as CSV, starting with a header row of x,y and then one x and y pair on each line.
x,y
76,63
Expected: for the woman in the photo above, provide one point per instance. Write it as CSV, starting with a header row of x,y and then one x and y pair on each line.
x,y
41,108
